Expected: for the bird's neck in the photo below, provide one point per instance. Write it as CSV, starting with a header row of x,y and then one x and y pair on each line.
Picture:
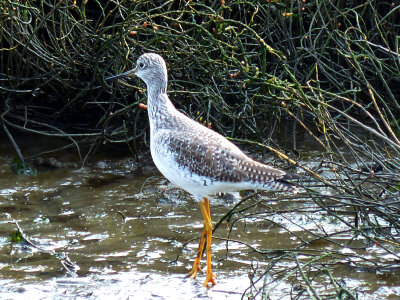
x,y
160,110
154,91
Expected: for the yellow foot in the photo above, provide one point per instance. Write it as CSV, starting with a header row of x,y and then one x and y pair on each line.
x,y
210,279
194,271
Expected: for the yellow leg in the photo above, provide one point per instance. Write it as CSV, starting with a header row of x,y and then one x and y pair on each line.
x,y
205,209
205,236
196,264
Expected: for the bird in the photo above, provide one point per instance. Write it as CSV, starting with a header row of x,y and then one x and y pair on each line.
x,y
196,158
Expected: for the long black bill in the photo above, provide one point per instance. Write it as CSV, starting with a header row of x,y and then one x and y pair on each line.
x,y
122,75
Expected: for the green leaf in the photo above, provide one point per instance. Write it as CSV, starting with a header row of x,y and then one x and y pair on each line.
x,y
16,237
22,168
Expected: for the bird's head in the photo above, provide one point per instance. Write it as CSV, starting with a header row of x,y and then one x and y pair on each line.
x,y
150,67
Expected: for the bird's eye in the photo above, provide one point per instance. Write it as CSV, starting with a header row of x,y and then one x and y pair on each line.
x,y
141,65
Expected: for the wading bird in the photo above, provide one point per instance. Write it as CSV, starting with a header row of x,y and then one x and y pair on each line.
x,y
194,157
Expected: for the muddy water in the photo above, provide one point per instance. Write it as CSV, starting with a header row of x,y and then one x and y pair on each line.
x,y
123,231
129,236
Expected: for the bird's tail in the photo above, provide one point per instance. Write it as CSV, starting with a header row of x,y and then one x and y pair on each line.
x,y
281,185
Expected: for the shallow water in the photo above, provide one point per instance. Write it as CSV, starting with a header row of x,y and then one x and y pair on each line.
x,y
125,233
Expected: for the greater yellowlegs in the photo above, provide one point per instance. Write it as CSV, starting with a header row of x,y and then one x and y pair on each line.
x,y
194,157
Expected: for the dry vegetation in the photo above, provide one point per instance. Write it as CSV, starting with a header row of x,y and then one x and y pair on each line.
x,y
321,73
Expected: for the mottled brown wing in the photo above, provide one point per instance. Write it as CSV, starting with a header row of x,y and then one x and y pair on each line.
x,y
207,153
204,157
